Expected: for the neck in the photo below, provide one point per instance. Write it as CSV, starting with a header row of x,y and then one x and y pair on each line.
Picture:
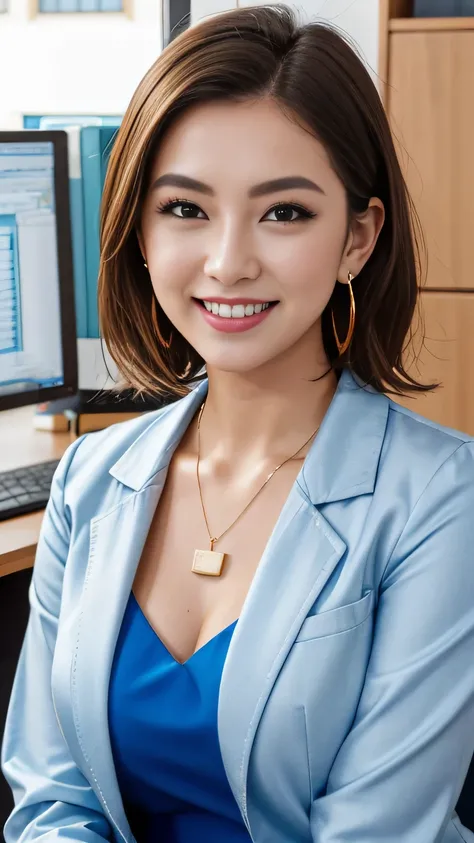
x,y
248,420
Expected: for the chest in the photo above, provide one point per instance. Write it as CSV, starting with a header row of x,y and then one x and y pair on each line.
x,y
186,609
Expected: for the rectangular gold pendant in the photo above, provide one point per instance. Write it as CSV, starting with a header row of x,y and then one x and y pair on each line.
x,y
208,562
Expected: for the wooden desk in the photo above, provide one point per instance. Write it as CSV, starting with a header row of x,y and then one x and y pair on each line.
x,y
21,444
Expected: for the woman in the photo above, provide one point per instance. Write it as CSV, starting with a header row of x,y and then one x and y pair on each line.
x,y
252,612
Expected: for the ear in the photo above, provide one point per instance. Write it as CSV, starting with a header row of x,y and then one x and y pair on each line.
x,y
363,234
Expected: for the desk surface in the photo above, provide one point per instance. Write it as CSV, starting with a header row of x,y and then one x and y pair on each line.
x,y
21,444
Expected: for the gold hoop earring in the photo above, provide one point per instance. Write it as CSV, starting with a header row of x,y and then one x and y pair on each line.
x,y
343,346
156,327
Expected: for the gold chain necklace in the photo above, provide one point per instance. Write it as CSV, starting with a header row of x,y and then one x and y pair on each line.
x,y
209,562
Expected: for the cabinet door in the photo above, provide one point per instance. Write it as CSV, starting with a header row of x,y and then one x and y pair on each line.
x,y
446,356
430,103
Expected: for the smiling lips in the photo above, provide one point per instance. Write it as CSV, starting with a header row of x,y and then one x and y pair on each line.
x,y
234,310
232,315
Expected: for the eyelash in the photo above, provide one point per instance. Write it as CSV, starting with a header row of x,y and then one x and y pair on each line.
x,y
166,206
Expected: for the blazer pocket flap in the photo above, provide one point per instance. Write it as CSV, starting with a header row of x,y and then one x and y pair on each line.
x,y
337,620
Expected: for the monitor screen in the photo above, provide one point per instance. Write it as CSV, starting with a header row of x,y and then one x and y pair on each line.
x,y
37,334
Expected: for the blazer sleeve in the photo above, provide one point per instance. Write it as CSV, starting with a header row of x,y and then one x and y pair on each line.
x,y
399,772
53,800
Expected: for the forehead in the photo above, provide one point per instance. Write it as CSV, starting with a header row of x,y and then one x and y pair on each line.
x,y
257,138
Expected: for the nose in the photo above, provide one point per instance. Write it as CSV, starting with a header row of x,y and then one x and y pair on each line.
x,y
232,258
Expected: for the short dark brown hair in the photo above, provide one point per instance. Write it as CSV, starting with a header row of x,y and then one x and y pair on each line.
x,y
317,78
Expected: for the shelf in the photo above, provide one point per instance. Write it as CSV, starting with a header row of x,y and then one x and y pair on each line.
x,y
429,24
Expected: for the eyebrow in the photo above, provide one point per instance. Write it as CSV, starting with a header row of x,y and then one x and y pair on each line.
x,y
272,186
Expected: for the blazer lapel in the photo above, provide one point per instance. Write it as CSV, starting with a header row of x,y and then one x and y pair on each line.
x,y
117,538
302,553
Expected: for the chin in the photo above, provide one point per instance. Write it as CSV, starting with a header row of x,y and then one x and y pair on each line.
x,y
237,363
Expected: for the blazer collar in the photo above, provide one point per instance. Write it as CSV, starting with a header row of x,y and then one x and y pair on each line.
x,y
342,461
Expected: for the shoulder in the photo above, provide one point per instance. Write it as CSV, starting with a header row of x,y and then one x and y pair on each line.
x,y
423,445
85,470
417,425
435,490
101,470
425,466
397,449
390,450
104,447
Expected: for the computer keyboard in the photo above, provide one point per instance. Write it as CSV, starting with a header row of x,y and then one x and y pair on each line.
x,y
25,489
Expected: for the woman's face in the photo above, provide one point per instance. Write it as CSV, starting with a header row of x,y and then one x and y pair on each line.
x,y
227,236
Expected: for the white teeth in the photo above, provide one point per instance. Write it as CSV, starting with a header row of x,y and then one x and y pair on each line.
x,y
237,311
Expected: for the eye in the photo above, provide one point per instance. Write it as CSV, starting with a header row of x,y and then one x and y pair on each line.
x,y
189,208
281,209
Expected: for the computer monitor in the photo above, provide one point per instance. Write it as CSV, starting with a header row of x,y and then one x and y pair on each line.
x,y
38,348
176,17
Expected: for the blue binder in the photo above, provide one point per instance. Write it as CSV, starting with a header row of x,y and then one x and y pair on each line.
x,y
96,145
89,148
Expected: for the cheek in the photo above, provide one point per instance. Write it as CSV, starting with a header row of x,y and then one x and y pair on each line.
x,y
172,260
163,243
307,267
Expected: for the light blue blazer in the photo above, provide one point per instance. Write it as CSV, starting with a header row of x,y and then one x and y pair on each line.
x,y
346,708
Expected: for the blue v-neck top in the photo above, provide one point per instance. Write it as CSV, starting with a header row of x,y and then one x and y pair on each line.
x,y
163,729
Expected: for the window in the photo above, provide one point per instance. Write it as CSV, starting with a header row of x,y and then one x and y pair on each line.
x,y
79,5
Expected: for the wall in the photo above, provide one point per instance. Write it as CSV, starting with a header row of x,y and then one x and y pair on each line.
x,y
92,63
76,63
359,18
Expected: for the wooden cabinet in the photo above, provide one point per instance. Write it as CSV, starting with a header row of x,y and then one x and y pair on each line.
x,y
430,104
427,72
